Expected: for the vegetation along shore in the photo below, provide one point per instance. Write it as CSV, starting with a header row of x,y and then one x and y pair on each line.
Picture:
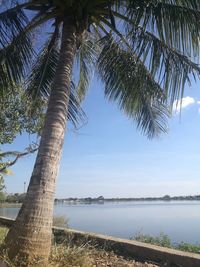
x,y
101,199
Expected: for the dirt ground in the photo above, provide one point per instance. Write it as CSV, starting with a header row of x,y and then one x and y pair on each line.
x,y
109,259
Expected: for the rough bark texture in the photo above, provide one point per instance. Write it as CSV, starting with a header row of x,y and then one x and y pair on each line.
x,y
30,237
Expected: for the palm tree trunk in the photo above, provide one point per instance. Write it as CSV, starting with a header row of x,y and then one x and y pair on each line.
x,y
30,236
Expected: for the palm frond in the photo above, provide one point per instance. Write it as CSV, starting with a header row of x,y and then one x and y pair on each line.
x,y
41,78
75,113
128,82
14,59
86,57
169,67
175,22
15,48
42,72
12,23
16,45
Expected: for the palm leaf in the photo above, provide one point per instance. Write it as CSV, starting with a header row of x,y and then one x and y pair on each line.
x,y
14,60
15,48
175,22
42,72
41,78
75,113
86,57
128,82
168,66
12,23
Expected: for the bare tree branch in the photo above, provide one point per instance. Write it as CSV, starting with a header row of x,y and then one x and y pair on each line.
x,y
17,155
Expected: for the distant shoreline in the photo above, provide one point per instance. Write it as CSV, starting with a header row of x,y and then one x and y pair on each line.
x,y
101,199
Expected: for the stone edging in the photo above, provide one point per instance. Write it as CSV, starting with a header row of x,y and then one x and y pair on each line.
x,y
138,250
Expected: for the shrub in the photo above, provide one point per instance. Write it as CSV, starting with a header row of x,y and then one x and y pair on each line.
x,y
164,241
60,221
188,247
161,240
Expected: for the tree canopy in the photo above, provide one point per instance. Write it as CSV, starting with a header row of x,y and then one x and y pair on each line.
x,y
144,51
17,116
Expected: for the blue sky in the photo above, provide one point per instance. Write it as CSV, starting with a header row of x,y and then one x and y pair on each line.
x,y
108,156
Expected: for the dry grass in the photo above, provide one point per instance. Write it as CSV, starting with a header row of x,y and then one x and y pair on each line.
x,y
69,255
61,255
60,221
3,232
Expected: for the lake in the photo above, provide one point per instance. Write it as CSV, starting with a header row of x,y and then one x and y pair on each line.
x,y
178,219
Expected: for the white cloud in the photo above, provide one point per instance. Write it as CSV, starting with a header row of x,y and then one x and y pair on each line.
x,y
183,103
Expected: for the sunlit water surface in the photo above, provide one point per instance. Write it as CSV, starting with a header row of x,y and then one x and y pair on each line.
x,y
180,220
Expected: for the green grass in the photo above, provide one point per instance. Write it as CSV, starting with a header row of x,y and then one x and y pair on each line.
x,y
164,241
188,247
161,240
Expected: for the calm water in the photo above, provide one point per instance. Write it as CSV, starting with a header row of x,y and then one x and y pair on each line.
x,y
179,220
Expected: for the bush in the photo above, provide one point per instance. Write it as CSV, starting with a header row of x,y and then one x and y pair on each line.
x,y
161,240
60,221
164,241
188,247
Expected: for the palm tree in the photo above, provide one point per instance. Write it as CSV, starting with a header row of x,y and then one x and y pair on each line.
x,y
143,51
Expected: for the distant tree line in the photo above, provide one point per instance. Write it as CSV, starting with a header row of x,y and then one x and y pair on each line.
x,y
101,199
18,198
11,198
